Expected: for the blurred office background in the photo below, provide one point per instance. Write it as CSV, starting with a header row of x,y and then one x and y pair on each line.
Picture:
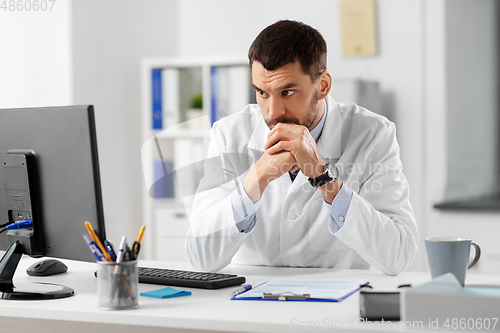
x,y
436,67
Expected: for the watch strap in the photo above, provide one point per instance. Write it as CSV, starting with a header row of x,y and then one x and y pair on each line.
x,y
321,180
325,178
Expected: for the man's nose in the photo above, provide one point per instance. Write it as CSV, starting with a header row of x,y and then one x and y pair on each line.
x,y
276,107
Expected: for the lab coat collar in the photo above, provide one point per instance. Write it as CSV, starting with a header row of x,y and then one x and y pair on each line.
x,y
259,135
329,142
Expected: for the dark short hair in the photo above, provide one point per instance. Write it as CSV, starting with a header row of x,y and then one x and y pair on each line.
x,y
285,42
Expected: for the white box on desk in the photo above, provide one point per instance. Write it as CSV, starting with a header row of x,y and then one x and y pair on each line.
x,y
444,303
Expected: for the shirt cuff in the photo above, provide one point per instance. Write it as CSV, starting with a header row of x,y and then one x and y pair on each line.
x,y
339,207
244,210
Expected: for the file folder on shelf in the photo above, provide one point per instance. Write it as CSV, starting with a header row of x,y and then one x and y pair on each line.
x,y
334,290
156,99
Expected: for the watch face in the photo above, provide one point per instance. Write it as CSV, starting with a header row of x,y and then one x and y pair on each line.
x,y
333,171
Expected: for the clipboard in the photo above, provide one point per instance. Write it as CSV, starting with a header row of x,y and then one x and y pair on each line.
x,y
331,290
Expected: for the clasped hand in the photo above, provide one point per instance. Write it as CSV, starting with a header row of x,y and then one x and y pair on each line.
x,y
298,142
288,148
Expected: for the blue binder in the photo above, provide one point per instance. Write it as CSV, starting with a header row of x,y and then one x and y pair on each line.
x,y
214,114
156,97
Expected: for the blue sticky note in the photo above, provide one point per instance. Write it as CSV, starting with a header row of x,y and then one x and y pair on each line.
x,y
166,293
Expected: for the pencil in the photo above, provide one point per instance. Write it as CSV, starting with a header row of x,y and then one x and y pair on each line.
x,y
97,241
141,233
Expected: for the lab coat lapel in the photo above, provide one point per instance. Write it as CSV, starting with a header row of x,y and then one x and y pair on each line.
x,y
259,136
329,144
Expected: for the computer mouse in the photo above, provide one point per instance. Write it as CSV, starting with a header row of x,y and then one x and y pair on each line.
x,y
47,267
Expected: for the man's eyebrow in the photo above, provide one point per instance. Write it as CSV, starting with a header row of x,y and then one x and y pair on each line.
x,y
284,87
256,88
288,86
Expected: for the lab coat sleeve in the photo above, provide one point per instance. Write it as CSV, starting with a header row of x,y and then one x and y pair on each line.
x,y
213,237
380,225
244,209
339,207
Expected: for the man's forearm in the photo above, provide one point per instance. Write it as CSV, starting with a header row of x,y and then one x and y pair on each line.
x,y
255,185
265,170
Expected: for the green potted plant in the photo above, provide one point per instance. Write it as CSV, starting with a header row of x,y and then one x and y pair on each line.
x,y
194,114
196,101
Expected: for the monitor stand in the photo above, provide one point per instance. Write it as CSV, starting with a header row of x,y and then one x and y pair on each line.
x,y
28,291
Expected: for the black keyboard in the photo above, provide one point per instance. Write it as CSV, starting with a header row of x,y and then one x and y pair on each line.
x,y
190,279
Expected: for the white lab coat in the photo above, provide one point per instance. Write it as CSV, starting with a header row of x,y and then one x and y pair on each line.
x,y
292,224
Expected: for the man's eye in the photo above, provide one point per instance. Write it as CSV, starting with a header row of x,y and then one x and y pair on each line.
x,y
288,92
262,93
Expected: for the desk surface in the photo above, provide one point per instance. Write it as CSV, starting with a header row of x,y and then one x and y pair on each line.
x,y
204,310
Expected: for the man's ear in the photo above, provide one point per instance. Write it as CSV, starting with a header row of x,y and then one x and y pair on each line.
x,y
325,84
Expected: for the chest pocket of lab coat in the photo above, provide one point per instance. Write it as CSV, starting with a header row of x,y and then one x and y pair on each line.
x,y
319,235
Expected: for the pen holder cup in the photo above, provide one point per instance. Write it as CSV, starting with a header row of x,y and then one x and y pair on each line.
x,y
117,285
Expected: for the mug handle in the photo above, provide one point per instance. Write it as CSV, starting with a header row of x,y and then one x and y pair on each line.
x,y
478,255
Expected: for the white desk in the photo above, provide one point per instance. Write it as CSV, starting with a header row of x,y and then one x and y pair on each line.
x,y
204,310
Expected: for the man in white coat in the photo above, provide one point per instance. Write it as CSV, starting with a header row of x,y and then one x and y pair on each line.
x,y
300,180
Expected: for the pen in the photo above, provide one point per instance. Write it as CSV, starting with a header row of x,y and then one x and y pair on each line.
x,y
94,248
110,250
242,290
121,251
120,277
96,240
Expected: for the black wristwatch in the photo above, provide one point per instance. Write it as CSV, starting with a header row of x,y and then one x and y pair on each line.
x,y
331,174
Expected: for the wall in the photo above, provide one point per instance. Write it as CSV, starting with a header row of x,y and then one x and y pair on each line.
x,y
472,89
440,104
35,57
109,40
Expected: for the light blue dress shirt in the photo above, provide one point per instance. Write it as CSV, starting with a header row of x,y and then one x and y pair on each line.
x,y
244,210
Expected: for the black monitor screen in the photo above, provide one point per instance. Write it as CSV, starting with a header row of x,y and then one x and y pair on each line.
x,y
65,146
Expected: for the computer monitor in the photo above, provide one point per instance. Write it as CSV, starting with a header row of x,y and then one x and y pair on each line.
x,y
64,144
